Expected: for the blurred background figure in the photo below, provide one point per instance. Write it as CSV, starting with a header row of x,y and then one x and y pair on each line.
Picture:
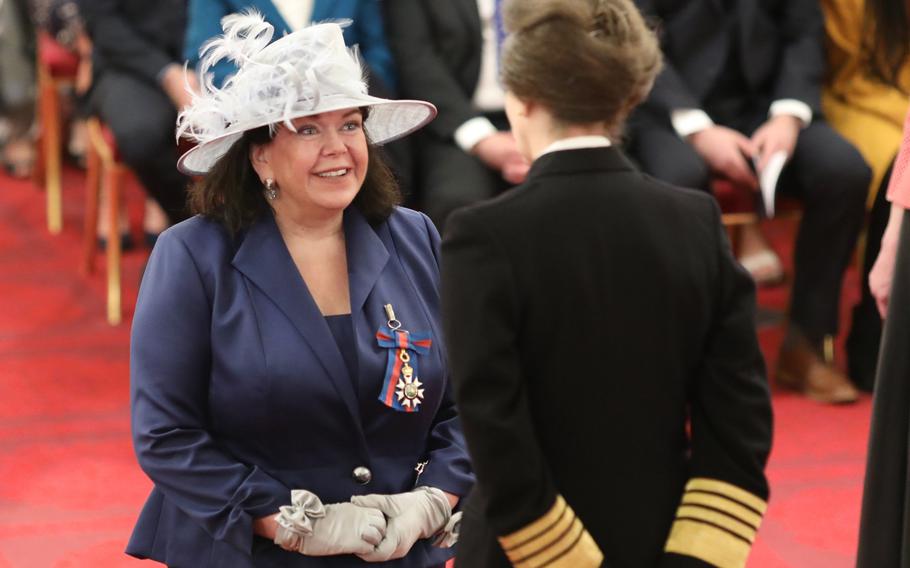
x,y
869,112
138,87
17,87
747,90
448,53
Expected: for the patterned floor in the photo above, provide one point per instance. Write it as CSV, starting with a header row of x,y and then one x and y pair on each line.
x,y
69,485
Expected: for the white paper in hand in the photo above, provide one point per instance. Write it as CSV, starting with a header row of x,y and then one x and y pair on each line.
x,y
767,180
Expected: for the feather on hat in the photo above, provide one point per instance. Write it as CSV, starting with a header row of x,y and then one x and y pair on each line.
x,y
307,72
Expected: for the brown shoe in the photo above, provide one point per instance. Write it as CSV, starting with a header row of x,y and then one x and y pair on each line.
x,y
800,368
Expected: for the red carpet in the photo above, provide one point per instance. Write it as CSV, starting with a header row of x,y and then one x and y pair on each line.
x,y
70,486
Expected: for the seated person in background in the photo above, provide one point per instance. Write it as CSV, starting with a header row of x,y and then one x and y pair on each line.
x,y
750,87
138,88
279,402
447,53
868,112
601,334
17,87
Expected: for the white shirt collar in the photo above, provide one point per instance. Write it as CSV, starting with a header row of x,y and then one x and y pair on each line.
x,y
576,143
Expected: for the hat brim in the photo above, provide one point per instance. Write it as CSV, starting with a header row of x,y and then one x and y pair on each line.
x,y
388,120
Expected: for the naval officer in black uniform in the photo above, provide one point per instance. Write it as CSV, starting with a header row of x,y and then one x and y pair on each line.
x,y
601,335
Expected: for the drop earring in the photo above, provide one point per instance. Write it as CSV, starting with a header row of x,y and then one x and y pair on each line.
x,y
271,189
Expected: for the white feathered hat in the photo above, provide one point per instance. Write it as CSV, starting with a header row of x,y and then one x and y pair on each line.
x,y
307,72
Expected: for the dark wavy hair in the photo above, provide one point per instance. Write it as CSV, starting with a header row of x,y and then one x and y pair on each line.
x,y
231,193
886,39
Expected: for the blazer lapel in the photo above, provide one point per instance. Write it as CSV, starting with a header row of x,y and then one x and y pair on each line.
x,y
367,257
264,259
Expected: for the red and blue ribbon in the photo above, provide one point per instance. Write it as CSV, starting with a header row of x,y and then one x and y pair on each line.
x,y
396,340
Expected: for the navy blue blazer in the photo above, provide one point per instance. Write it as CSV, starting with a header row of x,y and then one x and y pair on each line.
x,y
239,392
367,31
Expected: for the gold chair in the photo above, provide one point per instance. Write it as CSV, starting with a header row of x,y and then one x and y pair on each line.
x,y
56,68
104,169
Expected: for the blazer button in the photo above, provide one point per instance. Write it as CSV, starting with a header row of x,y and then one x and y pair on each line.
x,y
362,475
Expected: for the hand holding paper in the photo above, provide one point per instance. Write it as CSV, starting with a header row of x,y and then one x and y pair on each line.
x,y
768,176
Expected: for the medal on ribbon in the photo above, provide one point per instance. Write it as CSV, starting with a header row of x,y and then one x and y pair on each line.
x,y
401,388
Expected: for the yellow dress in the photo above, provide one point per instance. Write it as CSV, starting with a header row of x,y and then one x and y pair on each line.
x,y
867,113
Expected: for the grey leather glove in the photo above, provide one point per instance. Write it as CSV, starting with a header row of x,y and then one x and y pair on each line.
x,y
411,516
311,528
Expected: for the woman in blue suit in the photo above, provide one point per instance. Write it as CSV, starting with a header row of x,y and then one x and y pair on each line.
x,y
289,393
366,30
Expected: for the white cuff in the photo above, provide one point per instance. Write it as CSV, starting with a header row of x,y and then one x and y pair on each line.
x,y
793,107
688,121
473,131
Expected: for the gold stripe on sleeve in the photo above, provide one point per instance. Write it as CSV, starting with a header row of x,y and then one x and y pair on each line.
x,y
731,508
719,520
556,540
730,491
536,528
716,523
708,543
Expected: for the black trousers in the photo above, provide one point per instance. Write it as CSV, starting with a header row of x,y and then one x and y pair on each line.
x,y
826,173
143,119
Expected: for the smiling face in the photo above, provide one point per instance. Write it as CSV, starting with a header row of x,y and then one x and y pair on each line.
x,y
321,167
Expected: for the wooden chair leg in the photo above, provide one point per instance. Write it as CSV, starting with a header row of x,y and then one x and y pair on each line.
x,y
92,189
113,180
50,122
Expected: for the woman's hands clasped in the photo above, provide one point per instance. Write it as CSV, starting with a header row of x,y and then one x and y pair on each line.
x,y
374,527
411,516
313,529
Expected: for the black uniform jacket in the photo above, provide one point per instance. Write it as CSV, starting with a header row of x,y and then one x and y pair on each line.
x,y
603,351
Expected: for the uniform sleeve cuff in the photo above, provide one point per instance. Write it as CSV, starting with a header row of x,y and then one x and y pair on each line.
x,y
688,121
473,131
716,523
556,540
793,107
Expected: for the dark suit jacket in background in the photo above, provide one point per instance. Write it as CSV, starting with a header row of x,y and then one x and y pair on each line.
x,y
240,394
780,50
591,314
136,37
437,44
